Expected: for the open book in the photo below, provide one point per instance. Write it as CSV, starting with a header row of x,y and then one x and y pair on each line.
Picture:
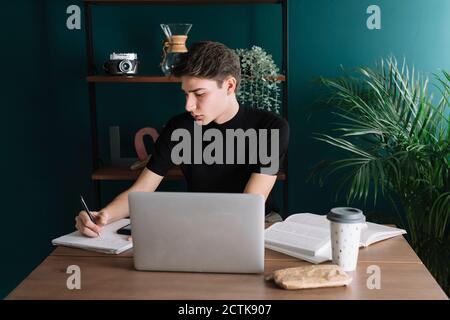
x,y
109,241
307,236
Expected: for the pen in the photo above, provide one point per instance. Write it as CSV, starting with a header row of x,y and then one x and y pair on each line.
x,y
83,203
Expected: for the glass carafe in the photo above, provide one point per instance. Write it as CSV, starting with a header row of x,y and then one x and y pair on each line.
x,y
174,45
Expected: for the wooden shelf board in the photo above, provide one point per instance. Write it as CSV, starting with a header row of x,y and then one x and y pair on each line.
x,y
183,2
142,79
124,173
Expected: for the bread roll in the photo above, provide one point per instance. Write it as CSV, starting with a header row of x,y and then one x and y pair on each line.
x,y
314,276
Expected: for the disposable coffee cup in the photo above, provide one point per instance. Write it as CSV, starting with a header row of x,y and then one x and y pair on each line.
x,y
345,227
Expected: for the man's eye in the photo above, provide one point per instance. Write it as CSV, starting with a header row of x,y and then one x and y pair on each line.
x,y
196,94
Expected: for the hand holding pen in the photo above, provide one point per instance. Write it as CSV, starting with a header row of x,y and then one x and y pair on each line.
x,y
90,223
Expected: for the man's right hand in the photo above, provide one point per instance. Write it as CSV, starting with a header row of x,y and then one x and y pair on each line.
x,y
86,227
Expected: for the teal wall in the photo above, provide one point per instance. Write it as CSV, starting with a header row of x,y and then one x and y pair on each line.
x,y
45,123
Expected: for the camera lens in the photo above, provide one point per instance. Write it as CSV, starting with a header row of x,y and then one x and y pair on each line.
x,y
125,66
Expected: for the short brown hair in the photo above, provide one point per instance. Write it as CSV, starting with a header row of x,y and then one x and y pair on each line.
x,y
210,60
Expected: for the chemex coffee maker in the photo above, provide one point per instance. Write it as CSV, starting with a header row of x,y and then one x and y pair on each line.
x,y
174,45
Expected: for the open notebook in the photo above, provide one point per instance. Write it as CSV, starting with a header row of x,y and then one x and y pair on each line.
x,y
109,241
307,236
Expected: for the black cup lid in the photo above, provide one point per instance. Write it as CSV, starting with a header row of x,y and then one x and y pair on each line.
x,y
346,215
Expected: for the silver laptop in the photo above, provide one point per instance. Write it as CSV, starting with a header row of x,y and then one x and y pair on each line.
x,y
198,232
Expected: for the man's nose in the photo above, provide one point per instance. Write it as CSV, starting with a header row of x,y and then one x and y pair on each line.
x,y
190,104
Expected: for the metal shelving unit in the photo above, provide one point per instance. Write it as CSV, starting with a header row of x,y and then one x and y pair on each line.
x,y
116,173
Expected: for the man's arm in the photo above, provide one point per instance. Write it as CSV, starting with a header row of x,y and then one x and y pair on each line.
x,y
117,209
260,184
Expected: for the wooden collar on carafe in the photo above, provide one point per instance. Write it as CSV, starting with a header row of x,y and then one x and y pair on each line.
x,y
177,44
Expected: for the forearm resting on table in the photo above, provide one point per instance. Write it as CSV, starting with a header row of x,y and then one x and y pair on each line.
x,y
117,209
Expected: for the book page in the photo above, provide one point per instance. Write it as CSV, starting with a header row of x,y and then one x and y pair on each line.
x,y
370,233
305,239
377,232
326,256
104,242
109,241
310,219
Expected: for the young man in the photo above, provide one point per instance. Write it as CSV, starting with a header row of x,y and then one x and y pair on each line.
x,y
210,75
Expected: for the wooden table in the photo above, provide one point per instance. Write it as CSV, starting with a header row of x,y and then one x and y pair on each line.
x,y
403,276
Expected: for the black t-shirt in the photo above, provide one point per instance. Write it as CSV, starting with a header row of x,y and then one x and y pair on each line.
x,y
221,173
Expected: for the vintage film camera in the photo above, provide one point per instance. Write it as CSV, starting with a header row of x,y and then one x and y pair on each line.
x,y
122,64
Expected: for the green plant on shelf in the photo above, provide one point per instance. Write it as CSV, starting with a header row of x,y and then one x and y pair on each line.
x,y
260,87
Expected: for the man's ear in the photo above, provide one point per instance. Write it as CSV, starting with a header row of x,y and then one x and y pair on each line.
x,y
230,84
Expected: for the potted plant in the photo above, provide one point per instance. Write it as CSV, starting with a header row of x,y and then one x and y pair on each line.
x,y
397,141
260,87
